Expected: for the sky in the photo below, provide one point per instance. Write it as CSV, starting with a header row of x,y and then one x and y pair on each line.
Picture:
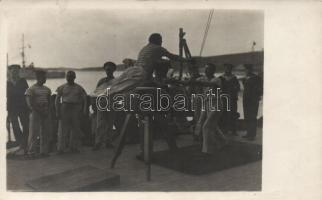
x,y
88,38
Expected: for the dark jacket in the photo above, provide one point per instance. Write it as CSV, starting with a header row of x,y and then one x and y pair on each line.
x,y
16,100
253,88
230,86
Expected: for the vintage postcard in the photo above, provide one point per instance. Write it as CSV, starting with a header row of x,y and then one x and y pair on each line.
x,y
151,99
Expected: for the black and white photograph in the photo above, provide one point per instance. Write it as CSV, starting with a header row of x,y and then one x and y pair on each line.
x,y
114,100
136,99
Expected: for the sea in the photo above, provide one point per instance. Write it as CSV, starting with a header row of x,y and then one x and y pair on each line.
x,y
89,79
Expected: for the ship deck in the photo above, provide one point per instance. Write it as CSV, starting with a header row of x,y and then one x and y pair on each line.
x,y
132,172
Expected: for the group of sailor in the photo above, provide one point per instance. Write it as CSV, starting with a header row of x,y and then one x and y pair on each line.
x,y
54,121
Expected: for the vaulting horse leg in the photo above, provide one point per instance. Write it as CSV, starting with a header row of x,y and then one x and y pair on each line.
x,y
121,143
148,145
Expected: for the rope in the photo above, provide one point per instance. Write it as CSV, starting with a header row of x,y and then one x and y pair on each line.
x,y
206,31
203,39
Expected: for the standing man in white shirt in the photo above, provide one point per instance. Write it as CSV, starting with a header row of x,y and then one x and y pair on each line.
x,y
73,99
38,101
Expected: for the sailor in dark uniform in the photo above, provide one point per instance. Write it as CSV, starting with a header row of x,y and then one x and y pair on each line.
x,y
253,90
231,87
17,107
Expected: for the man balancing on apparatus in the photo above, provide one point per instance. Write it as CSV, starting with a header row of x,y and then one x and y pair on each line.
x,y
141,74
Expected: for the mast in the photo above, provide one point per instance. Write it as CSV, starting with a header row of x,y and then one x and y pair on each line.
x,y
181,34
23,51
253,52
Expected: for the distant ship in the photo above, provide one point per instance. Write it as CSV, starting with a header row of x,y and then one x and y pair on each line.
x,y
28,72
